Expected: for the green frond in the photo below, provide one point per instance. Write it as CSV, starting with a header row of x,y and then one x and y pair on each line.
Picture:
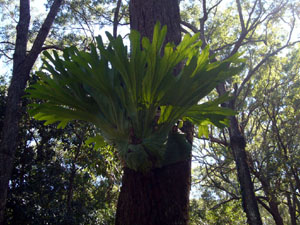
x,y
120,92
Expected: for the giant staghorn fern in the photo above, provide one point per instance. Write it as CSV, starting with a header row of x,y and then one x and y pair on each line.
x,y
120,92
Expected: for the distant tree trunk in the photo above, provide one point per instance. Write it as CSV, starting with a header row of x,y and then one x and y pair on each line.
x,y
22,65
238,144
161,196
292,208
273,203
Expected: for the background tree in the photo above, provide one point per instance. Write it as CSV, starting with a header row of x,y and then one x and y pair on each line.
x,y
253,42
59,179
22,66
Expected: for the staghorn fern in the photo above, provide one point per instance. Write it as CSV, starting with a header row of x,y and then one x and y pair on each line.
x,y
120,92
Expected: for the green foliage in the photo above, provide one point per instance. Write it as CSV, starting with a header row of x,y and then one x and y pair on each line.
x,y
52,165
210,211
121,93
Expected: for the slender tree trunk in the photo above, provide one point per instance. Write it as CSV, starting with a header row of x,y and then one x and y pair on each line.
x,y
275,211
161,196
292,209
22,65
116,18
238,145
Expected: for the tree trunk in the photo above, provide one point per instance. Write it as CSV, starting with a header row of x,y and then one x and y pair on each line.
x,y
145,14
272,200
22,65
275,212
238,145
160,196
292,209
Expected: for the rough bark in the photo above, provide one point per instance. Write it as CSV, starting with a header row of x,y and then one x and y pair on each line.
x,y
156,198
238,145
145,14
160,196
22,65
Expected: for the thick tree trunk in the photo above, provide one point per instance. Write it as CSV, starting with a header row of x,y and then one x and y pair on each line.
x,y
22,65
145,14
238,145
161,196
158,197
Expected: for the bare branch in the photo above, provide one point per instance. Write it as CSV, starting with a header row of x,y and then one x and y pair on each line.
x,y
214,6
190,26
215,140
56,47
6,55
7,42
255,69
224,202
264,205
86,22
251,13
241,16
184,30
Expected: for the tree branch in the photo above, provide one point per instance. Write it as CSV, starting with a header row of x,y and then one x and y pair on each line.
x,y
42,34
190,26
255,69
6,55
224,202
241,15
7,42
56,47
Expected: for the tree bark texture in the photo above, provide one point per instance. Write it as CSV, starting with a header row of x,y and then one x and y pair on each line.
x,y
238,145
22,65
145,14
161,196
